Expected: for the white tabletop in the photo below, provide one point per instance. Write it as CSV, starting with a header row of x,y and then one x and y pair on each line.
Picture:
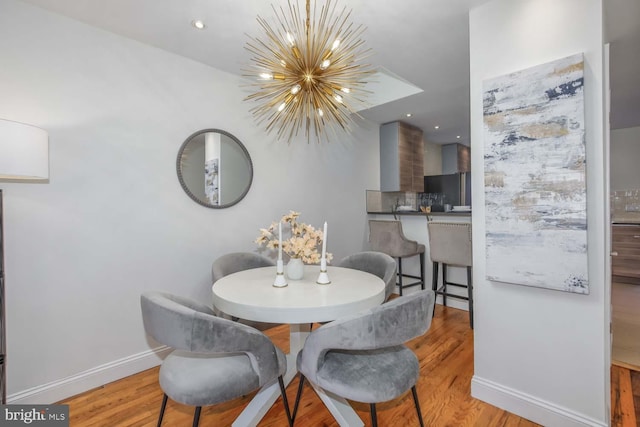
x,y
250,295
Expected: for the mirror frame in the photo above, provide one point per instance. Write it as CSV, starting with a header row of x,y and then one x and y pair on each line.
x,y
184,185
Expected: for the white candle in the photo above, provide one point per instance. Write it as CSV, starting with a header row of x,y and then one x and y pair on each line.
x,y
280,241
324,241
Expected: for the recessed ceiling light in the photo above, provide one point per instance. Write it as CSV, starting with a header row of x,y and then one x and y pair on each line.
x,y
436,127
409,114
198,24
458,136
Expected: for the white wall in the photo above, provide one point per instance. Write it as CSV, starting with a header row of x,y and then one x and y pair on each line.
x,y
625,152
539,353
114,221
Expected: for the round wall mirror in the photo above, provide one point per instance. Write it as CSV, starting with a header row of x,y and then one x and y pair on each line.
x,y
214,168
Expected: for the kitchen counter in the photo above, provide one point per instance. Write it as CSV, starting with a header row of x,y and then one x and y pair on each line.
x,y
417,213
625,219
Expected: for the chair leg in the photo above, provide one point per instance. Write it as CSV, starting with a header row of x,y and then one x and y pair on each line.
x,y
417,403
162,408
400,275
196,416
470,290
422,270
444,284
285,401
374,418
298,396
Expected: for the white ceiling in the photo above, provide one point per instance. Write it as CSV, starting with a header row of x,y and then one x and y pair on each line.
x,y
425,42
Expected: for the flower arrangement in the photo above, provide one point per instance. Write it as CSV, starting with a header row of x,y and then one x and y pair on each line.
x,y
302,244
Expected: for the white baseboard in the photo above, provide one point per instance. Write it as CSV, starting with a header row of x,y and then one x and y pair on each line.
x,y
451,302
529,407
92,378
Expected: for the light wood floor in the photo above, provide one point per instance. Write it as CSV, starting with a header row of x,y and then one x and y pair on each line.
x,y
446,365
625,321
625,397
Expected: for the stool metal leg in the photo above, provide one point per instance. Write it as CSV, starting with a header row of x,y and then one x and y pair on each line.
x,y
434,284
420,280
400,275
422,270
434,277
444,284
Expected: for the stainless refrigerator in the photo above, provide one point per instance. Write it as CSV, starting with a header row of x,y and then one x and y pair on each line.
x,y
455,189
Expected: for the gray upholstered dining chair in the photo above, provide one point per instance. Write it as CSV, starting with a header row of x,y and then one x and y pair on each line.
x,y
377,263
363,357
232,263
214,360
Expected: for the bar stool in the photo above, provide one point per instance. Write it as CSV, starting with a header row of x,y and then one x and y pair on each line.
x,y
450,244
387,237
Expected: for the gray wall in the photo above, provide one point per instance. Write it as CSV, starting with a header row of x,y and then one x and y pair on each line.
x,y
389,157
625,159
539,353
114,221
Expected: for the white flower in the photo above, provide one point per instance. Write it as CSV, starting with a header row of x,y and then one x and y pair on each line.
x,y
303,241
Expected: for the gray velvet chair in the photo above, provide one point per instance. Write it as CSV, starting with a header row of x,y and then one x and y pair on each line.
x,y
232,263
387,237
214,360
363,357
377,263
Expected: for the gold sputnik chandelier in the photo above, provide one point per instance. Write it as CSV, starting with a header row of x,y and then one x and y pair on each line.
x,y
309,72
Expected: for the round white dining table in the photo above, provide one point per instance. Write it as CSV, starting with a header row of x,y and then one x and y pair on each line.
x,y
250,295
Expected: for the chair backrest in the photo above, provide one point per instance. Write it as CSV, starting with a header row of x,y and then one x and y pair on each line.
x,y
377,263
387,237
184,324
450,243
238,261
386,325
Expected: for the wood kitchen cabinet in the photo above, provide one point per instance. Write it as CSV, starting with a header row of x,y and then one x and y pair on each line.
x,y
625,245
401,158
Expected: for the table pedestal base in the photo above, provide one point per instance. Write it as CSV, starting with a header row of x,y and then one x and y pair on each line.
x,y
267,395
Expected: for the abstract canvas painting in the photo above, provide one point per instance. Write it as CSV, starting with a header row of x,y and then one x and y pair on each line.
x,y
535,188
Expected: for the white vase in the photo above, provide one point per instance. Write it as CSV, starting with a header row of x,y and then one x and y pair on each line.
x,y
295,269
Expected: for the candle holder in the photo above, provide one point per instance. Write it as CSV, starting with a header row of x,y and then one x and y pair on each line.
x,y
280,281
323,277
